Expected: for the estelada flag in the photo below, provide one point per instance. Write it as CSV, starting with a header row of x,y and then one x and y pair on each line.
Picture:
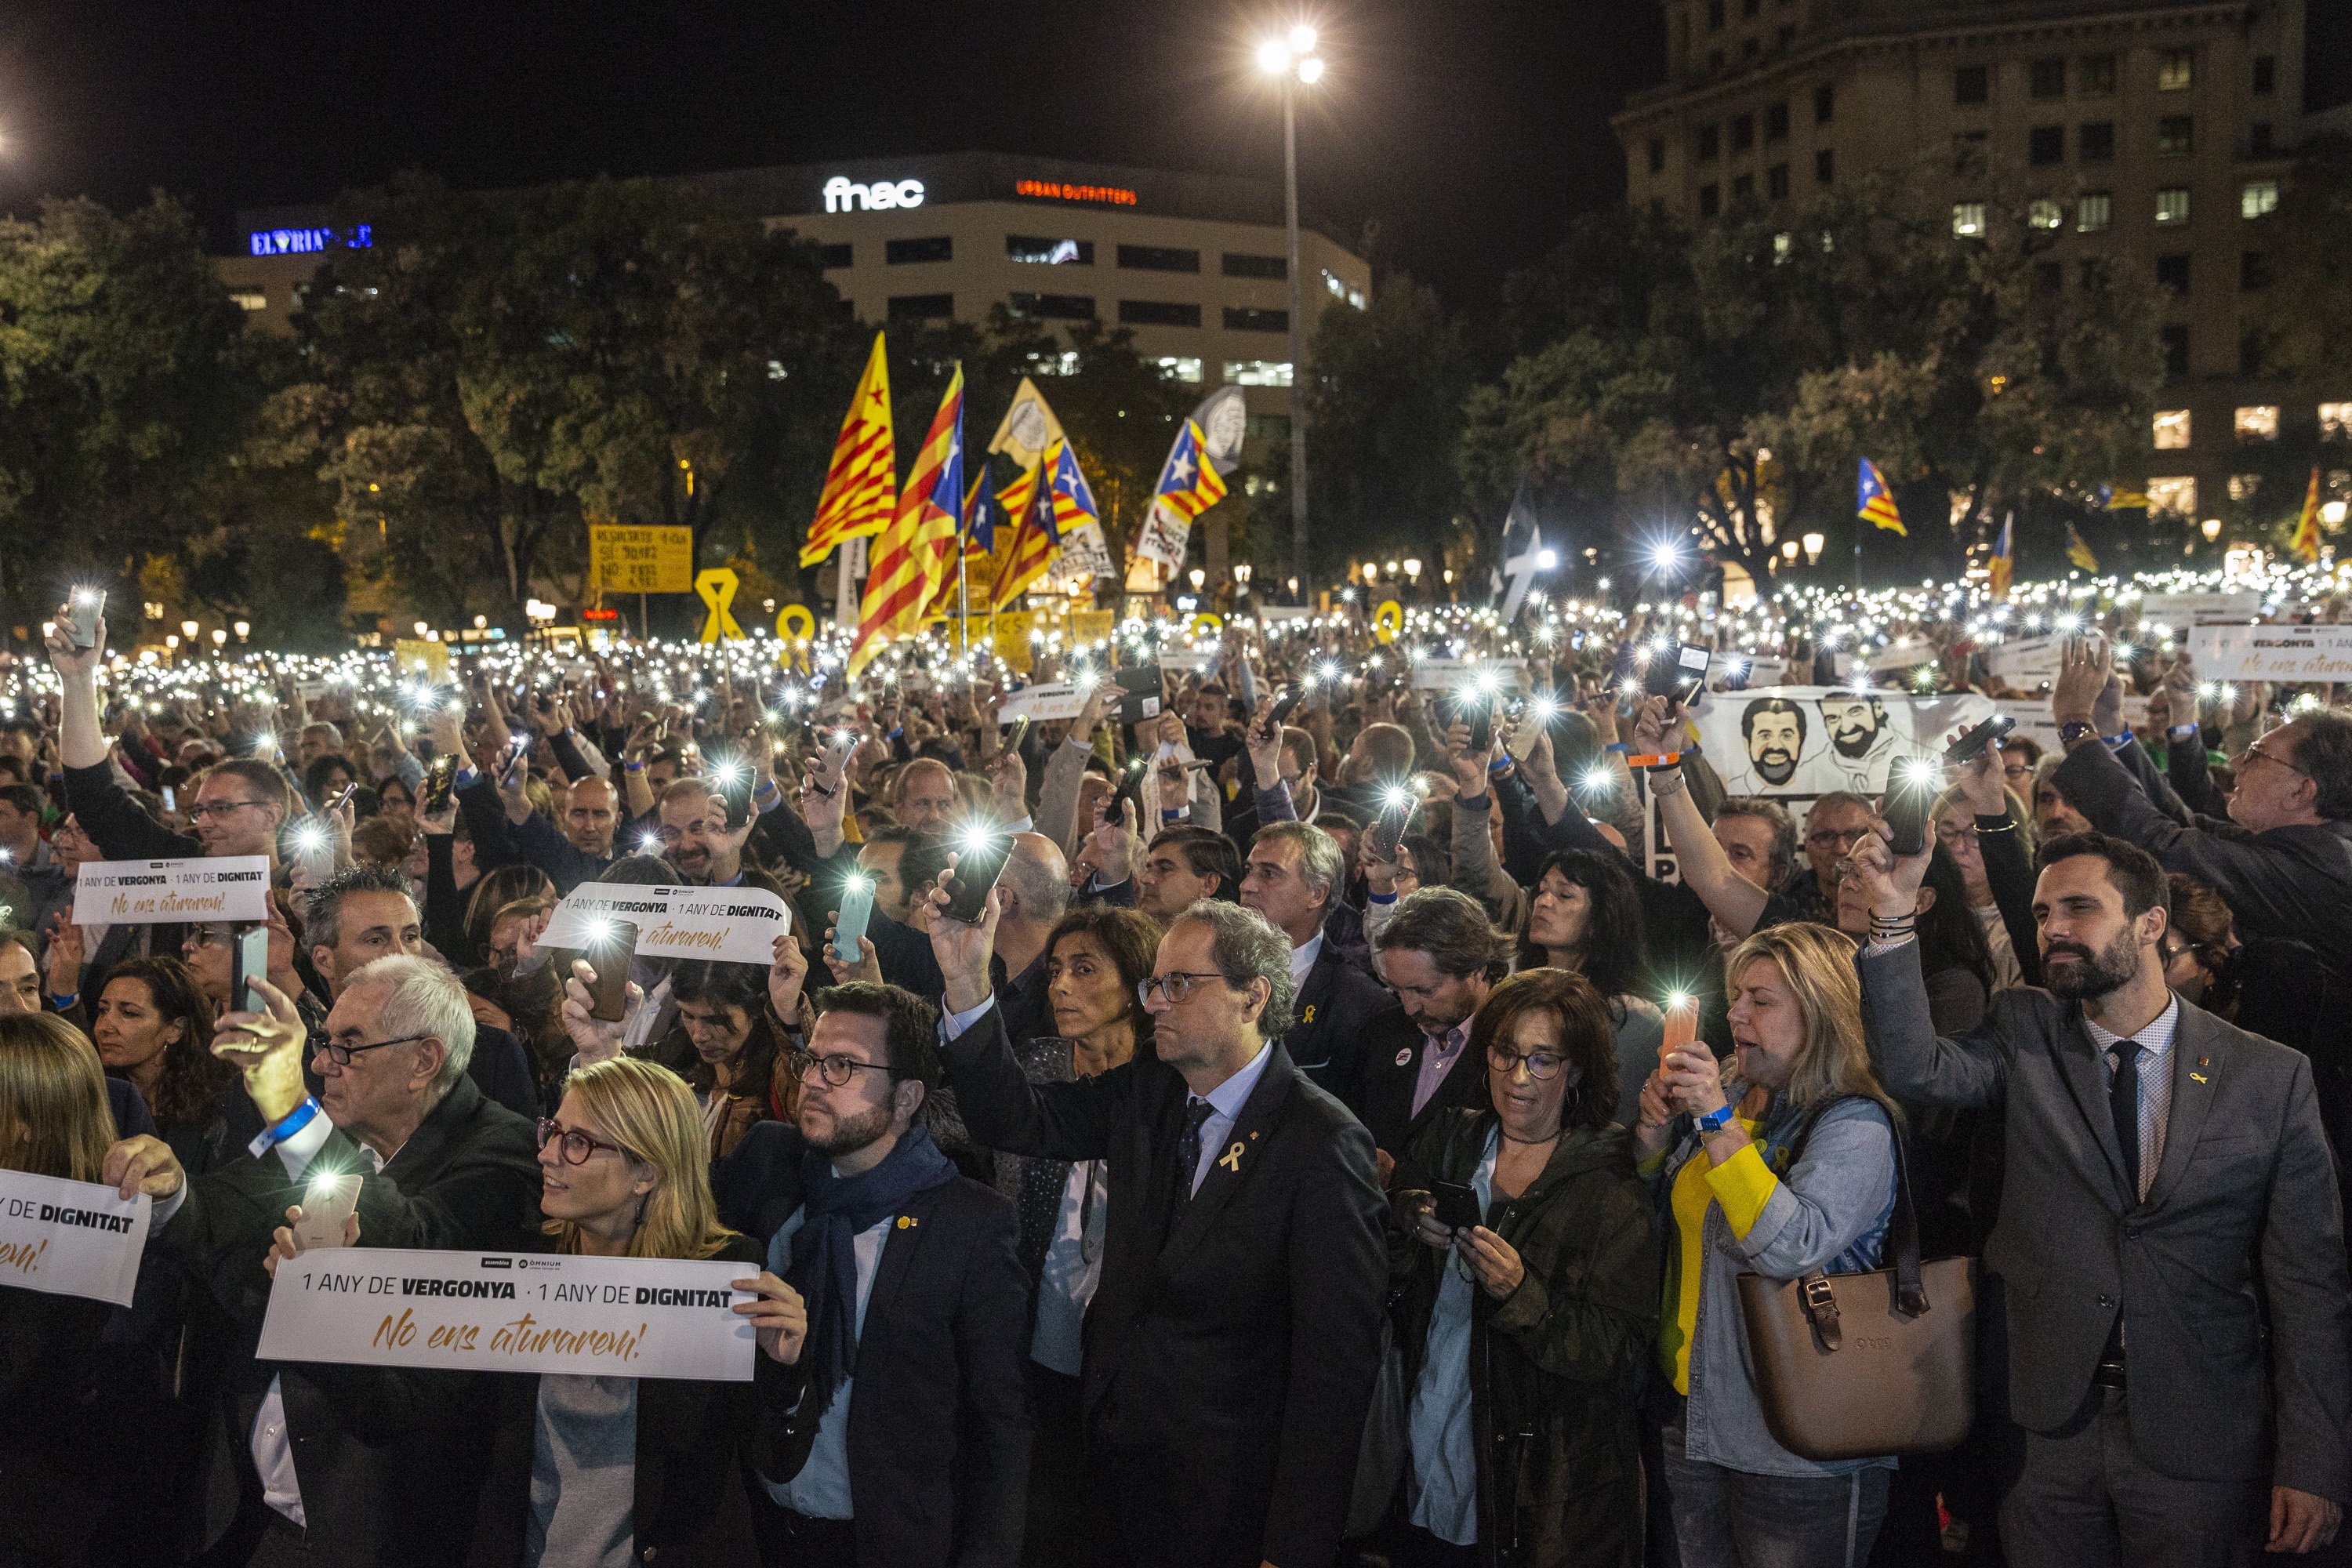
x,y
1034,540
917,551
2078,551
1074,500
1873,503
861,487
1189,484
2306,542
2004,561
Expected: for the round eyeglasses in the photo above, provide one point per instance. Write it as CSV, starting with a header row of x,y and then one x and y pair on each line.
x,y
575,1147
1540,1065
838,1071
1176,985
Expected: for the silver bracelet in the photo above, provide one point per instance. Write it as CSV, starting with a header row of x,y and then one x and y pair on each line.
x,y
1664,784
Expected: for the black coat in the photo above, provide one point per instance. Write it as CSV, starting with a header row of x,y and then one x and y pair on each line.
x,y
468,1178
53,1476
1393,1071
1338,1012
1233,1338
939,1426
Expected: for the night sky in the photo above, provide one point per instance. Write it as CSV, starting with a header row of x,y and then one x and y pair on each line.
x,y
1467,132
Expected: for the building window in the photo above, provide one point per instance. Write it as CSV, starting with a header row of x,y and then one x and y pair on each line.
x,y
2336,421
1266,428
1715,16
1657,154
1743,133
2172,204
2043,213
1251,319
2176,70
2045,144
2256,422
1710,142
1238,265
2265,74
2175,351
1049,252
2174,133
1711,200
1784,244
1748,9
2244,486
2095,142
1972,84
1775,182
1054,307
1258,373
2096,76
2048,77
1824,166
1180,367
1157,259
1157,313
831,257
2094,213
2258,199
2049,278
2172,428
903,252
249,298
2258,141
2174,493
2250,353
2253,272
921,307
1776,122
1969,151
1967,220
1824,104
1742,186
2091,273
2172,272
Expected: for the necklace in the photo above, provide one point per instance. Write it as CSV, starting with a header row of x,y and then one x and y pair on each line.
x,y
1533,1142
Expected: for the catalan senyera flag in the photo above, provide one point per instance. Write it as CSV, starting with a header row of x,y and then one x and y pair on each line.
x,y
2078,550
2306,542
917,550
1034,537
2110,498
861,487
1189,484
2004,561
1874,503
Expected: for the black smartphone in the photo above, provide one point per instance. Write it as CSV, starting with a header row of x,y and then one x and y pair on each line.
x,y
734,780
517,754
608,999
1971,746
978,865
1292,696
249,961
1475,708
1388,830
1140,691
1910,790
437,781
1457,1205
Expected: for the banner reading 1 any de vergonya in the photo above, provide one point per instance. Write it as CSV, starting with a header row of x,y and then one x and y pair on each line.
x,y
172,892
739,925
2272,653
528,1312
70,1238
626,560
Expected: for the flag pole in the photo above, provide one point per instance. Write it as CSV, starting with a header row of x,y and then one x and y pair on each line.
x,y
963,604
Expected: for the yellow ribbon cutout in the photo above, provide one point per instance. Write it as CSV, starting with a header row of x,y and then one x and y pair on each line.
x,y
794,621
717,588
1388,620
1208,622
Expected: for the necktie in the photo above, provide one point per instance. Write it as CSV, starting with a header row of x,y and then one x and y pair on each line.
x,y
1197,1112
2123,1103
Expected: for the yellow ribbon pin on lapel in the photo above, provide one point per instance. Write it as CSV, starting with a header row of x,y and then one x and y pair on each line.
x,y
1232,1158
1308,1016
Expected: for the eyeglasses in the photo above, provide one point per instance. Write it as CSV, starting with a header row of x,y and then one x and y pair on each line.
x,y
199,810
838,1071
1540,1065
2254,749
1176,985
341,1055
577,1146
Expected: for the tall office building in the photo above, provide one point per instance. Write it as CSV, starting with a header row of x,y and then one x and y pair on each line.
x,y
2161,132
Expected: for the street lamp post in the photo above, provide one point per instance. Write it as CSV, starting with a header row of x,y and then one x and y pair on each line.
x,y
1293,61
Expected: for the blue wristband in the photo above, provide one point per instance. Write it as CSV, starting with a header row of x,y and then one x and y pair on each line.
x,y
66,1001
1618,746
295,1120
1715,1120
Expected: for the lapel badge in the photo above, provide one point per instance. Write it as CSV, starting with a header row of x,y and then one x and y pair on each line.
x,y
1404,1057
1308,1016
906,1222
1232,1158
2201,1061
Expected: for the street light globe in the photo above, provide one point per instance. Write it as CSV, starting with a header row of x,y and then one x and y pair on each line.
x,y
1546,560
188,630
1199,577
244,630
1310,69
1302,39
1413,566
1273,56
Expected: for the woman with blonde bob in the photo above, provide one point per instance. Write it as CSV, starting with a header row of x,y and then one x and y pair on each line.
x,y
1779,1162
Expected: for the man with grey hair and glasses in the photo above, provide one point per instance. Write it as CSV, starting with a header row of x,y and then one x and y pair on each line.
x,y
1234,1333
295,1471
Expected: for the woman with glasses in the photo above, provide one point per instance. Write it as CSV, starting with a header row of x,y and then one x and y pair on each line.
x,y
1524,1330
1778,1163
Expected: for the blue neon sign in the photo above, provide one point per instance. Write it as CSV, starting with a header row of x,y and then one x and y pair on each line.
x,y
303,241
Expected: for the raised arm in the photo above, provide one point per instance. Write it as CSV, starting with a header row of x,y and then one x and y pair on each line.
x,y
1736,902
1917,1064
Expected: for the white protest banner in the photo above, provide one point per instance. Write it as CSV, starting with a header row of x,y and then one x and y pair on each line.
x,y
70,1238
2179,611
737,925
2022,661
1082,549
1758,669
2272,653
1807,741
1047,699
1445,674
1904,653
1163,537
172,892
510,1311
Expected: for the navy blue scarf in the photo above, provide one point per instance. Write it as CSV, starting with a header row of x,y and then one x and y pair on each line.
x,y
824,1267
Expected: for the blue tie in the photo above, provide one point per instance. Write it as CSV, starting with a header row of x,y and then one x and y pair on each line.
x,y
1197,1112
2123,1104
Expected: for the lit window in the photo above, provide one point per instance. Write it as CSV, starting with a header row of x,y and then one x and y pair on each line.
x,y
2171,429
2094,213
1046,251
2175,493
1968,219
1355,298
1046,363
2172,204
2259,198
2336,421
1782,243
1258,373
2257,422
250,299
2175,69
2244,486
2046,214
1181,367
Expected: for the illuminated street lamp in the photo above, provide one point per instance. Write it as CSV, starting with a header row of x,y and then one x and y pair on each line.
x,y
188,630
1292,61
1813,542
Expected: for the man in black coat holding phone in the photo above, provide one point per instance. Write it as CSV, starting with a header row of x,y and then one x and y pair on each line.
x,y
1232,1342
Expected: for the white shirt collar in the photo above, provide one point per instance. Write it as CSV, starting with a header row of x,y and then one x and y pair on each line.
x,y
1229,1096
2155,1039
1303,957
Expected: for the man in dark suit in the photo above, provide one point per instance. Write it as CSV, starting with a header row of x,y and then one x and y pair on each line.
x,y
903,1440
1230,1347
2166,1269
1292,878
297,1474
1441,956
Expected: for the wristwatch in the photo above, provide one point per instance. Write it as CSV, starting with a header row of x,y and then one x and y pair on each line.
x,y
2075,729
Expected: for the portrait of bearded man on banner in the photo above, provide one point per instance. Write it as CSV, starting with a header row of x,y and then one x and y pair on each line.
x,y
1772,730
1860,738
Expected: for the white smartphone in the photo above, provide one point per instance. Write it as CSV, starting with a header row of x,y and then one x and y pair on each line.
x,y
327,1203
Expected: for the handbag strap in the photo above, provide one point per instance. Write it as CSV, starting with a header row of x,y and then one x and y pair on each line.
x,y
1813,1290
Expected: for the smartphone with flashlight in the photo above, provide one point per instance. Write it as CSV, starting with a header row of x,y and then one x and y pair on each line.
x,y
249,961
326,1202
835,759
83,606
1474,706
734,781
1388,830
171,798
518,752
850,922
1139,689
977,866
437,780
608,998
1017,733
1536,713
1292,696
1910,789
1971,746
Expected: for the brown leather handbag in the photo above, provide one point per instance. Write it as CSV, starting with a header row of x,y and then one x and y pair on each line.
x,y
1851,1366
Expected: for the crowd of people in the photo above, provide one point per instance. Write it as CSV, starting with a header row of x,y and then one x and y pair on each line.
x,y
1331,1137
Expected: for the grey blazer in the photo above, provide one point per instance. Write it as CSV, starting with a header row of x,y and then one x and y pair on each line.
x,y
2230,1277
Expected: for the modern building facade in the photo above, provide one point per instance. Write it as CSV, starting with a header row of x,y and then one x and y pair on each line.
x,y
2161,132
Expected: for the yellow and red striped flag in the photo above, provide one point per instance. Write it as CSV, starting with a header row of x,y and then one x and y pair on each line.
x,y
1034,539
862,484
2306,542
917,551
